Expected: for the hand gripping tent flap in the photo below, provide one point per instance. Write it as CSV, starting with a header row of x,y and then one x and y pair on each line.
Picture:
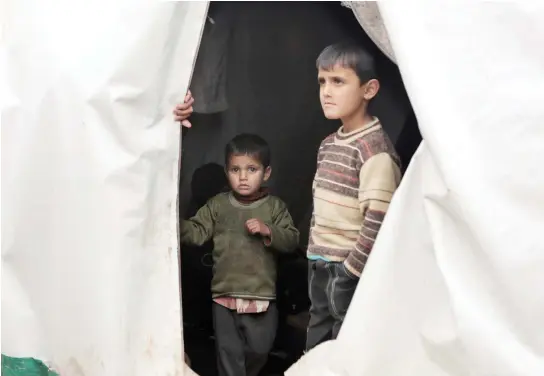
x,y
91,183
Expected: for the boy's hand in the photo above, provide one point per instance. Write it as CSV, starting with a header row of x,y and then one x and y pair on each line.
x,y
184,110
256,226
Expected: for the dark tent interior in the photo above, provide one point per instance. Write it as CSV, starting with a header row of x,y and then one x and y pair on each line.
x,y
255,73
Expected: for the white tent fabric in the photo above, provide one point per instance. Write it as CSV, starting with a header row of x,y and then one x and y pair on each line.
x,y
454,284
90,167
368,15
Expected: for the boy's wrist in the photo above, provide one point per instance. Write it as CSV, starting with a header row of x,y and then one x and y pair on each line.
x,y
266,231
267,236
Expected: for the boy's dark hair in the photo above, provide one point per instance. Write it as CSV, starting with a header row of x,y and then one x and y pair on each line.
x,y
348,55
248,144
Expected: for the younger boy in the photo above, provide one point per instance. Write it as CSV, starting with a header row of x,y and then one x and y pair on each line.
x,y
357,173
247,226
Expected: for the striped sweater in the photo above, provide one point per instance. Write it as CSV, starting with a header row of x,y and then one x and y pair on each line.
x,y
357,174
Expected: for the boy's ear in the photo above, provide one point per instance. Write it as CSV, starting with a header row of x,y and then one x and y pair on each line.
x,y
371,88
267,172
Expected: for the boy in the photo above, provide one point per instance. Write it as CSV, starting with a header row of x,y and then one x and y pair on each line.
x,y
357,173
247,225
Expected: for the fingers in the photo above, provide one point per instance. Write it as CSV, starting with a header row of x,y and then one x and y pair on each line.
x,y
253,226
181,113
188,96
181,118
185,108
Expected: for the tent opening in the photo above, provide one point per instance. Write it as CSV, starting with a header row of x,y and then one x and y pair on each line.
x,y
255,73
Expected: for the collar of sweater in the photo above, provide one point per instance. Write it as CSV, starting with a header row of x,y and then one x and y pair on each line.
x,y
246,200
367,128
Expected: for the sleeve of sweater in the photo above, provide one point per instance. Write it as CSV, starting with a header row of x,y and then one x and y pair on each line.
x,y
283,233
378,179
199,229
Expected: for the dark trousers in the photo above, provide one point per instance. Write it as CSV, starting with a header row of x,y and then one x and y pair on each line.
x,y
243,341
331,289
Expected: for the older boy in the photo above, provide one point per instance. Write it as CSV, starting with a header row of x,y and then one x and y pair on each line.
x,y
357,173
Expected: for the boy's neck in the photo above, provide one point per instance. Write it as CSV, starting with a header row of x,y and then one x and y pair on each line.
x,y
255,196
356,121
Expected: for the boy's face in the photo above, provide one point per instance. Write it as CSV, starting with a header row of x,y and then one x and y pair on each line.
x,y
342,94
246,174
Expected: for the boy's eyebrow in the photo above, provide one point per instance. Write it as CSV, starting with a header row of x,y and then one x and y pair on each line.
x,y
337,77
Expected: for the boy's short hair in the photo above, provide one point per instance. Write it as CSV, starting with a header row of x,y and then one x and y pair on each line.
x,y
348,55
248,144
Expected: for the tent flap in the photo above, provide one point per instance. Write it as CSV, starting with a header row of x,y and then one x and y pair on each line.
x,y
90,151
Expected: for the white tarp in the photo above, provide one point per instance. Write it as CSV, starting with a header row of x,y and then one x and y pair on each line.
x,y
89,182
455,283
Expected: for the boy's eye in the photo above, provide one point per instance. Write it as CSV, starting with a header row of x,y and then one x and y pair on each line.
x,y
252,169
321,81
235,169
337,81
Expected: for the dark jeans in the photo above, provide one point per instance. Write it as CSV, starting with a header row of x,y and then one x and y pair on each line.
x,y
331,288
243,341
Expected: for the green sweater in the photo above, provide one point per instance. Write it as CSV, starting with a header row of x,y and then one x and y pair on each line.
x,y
244,267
